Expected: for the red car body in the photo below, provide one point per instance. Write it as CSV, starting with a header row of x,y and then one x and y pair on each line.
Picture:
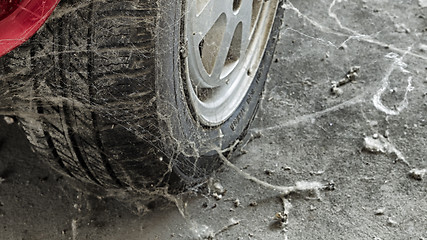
x,y
20,19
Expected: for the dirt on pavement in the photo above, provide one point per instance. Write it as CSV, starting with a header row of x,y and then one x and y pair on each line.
x,y
342,126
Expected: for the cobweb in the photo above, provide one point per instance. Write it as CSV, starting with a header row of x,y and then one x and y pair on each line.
x,y
81,62
53,70
327,29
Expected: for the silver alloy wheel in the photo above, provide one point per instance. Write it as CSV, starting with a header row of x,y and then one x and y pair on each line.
x,y
226,40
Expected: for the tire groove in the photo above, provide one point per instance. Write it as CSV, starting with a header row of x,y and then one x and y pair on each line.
x,y
40,111
90,68
74,145
68,130
55,153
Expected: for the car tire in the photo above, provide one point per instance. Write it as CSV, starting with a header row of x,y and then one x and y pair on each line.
x,y
106,95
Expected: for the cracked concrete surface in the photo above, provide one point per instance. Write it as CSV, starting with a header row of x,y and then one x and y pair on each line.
x,y
306,134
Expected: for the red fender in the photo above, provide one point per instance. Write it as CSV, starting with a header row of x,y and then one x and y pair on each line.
x,y
20,19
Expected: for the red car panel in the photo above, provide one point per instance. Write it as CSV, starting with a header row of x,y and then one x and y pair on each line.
x,y
20,19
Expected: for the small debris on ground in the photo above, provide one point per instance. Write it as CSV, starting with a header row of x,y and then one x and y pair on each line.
x,y
417,174
9,120
330,186
253,204
401,28
217,196
281,218
379,211
2,180
423,47
343,46
374,145
391,222
336,91
320,172
237,203
380,144
387,133
218,188
349,77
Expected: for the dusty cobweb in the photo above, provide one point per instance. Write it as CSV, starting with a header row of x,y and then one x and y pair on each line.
x,y
20,97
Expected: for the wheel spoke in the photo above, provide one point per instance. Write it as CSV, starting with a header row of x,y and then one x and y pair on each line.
x,y
207,17
244,16
223,50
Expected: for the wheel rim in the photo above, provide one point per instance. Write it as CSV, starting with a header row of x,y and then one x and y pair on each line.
x,y
225,42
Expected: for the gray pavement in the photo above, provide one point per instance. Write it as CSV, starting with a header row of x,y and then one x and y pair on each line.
x,y
343,123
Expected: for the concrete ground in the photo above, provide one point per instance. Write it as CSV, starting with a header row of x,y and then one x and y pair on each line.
x,y
343,123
